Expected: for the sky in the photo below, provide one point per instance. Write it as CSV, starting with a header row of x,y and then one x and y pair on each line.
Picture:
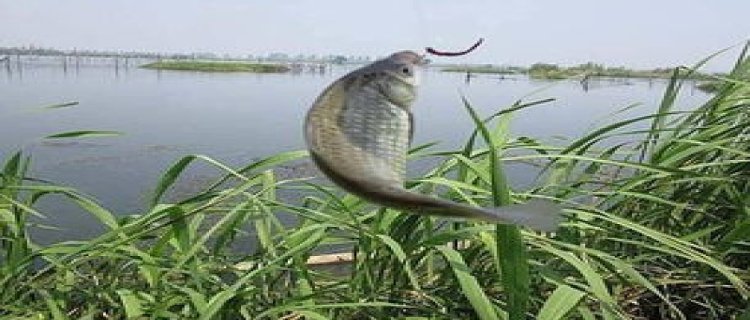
x,y
634,33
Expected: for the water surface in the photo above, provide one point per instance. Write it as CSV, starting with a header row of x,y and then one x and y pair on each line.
x,y
239,117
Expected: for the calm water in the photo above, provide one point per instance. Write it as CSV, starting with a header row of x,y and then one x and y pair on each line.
x,y
239,117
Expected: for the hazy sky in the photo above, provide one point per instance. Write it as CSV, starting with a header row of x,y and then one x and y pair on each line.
x,y
637,33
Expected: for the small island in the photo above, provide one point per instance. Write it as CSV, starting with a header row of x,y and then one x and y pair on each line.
x,y
216,66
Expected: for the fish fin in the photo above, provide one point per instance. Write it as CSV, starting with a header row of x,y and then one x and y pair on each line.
x,y
537,214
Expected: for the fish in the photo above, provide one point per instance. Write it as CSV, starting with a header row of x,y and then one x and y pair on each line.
x,y
359,130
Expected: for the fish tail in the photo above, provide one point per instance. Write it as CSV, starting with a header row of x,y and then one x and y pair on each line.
x,y
536,214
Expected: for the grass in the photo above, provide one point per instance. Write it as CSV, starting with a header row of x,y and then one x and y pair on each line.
x,y
658,228
216,66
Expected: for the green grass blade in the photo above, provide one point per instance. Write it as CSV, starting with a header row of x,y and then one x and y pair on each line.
x,y
216,303
84,134
131,303
61,105
560,303
511,248
469,285
169,178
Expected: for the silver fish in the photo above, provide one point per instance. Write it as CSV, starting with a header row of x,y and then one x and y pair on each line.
x,y
358,133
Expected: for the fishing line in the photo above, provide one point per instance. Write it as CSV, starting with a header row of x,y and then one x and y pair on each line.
x,y
419,12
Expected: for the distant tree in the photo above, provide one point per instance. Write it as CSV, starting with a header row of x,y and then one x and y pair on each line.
x,y
589,66
543,67
339,59
278,56
662,70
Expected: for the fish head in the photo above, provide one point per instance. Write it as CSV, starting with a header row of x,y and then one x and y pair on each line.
x,y
396,77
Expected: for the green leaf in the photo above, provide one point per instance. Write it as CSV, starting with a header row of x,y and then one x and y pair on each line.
x,y
469,285
169,177
562,300
216,303
131,302
594,279
401,256
513,261
61,105
197,299
53,306
84,134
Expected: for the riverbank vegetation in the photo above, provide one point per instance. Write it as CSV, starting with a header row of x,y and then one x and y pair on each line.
x,y
717,84
488,68
658,227
216,66
549,71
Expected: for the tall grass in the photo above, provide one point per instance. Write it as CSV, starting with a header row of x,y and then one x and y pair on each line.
x,y
658,228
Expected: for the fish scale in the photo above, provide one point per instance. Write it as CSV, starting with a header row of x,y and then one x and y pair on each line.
x,y
381,131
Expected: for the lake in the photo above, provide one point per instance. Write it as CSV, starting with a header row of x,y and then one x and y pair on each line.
x,y
239,117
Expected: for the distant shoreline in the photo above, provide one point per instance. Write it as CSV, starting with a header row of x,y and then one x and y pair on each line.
x,y
709,82
554,72
216,66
